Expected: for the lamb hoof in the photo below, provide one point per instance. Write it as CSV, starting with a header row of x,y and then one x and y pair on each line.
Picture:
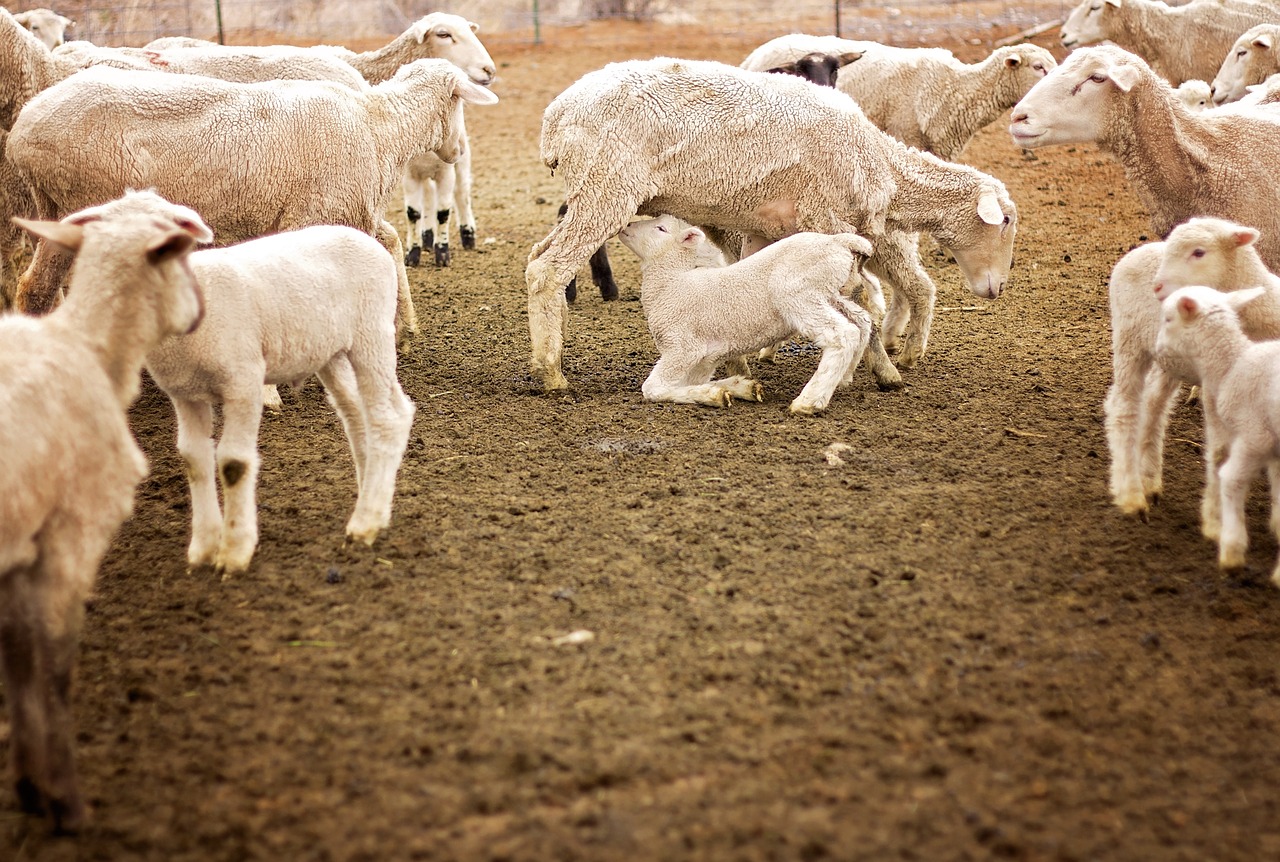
x,y
413,256
805,409
468,237
890,384
757,392
442,254
364,534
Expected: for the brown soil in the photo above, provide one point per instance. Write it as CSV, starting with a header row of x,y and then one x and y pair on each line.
x,y
950,647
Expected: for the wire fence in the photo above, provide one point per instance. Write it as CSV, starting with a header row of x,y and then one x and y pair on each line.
x,y
367,22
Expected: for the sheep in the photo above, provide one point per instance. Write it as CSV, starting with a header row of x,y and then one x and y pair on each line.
x,y
816,68
1196,95
763,155
1180,43
924,97
1242,402
1209,251
1253,58
702,315
69,468
317,300
182,135
46,25
1180,164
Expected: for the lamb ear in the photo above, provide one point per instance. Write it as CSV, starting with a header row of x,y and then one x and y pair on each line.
x,y
469,91
1238,299
62,234
1115,3
1263,41
1124,77
1013,61
170,244
1245,236
989,208
692,236
1188,308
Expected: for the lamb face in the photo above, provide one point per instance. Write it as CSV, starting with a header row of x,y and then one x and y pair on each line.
x,y
662,236
1070,105
1200,252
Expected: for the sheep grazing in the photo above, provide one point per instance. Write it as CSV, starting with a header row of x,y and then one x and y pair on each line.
x,y
1241,382
69,468
924,97
1209,251
318,300
702,315
180,134
742,176
1180,164
46,25
1253,58
1180,43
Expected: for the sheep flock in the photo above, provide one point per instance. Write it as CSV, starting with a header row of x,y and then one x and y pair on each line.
x,y
812,236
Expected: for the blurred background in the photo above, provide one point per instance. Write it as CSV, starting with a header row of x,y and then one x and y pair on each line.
x,y
366,23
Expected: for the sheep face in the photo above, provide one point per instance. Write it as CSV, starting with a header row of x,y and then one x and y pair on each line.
x,y
1184,313
818,68
1026,65
1088,23
983,246
1250,61
453,38
1196,95
1202,251
1071,104
46,25
663,236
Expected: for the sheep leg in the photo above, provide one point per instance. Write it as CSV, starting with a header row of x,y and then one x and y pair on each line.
x,y
237,458
343,392
1214,454
1234,478
1273,477
462,199
40,286
444,198
195,445
843,334
413,210
1121,409
897,259
388,418
686,379
1159,392
406,317
23,662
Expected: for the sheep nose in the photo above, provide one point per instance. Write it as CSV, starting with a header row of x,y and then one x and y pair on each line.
x,y
1159,288
1020,117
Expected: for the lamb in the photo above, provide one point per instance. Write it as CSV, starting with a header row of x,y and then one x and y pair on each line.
x,y
180,134
1196,95
318,300
1180,43
46,25
924,97
69,467
1253,58
1208,251
794,158
1241,381
702,315
1180,164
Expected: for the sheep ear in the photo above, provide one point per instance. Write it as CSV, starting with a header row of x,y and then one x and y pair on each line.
x,y
1115,3
170,244
1123,77
475,28
1238,299
469,91
1245,236
848,57
1188,308
1263,41
989,208
692,236
787,69
1013,61
62,234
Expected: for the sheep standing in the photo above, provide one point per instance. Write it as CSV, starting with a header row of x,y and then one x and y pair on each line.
x,y
702,315
46,25
1180,164
1253,58
651,137
1180,43
69,467
1241,383
183,136
318,300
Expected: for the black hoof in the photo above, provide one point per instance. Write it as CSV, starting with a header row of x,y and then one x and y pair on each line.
x,y
413,256
468,237
609,291
571,290
442,254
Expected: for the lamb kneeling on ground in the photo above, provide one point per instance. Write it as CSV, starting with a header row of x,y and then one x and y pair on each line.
x,y
320,300
701,315
1241,381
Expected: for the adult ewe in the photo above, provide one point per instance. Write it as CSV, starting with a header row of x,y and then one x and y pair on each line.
x,y
46,25
1180,164
1253,59
184,136
69,467
1180,43
763,155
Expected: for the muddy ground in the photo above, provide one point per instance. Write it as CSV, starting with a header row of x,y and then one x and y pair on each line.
x,y
951,647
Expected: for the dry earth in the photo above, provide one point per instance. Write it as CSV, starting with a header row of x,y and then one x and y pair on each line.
x,y
950,647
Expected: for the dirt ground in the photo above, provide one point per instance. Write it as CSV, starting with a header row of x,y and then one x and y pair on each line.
x,y
951,647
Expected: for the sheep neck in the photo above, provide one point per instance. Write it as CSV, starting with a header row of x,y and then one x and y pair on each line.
x,y
382,64
926,190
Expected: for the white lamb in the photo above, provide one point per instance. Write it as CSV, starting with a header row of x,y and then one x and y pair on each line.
x,y
702,315
1180,164
69,467
1195,94
319,300
1181,43
1241,383
1205,251
182,135
1253,58
765,156
924,97
46,25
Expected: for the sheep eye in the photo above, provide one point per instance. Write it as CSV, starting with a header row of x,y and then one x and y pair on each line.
x,y
1095,8
1242,52
662,229
443,34
1198,253
1098,78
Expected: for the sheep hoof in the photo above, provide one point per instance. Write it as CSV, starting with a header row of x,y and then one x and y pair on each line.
x,y
805,409
413,256
442,254
890,384
608,290
571,290
468,237
757,392
724,399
